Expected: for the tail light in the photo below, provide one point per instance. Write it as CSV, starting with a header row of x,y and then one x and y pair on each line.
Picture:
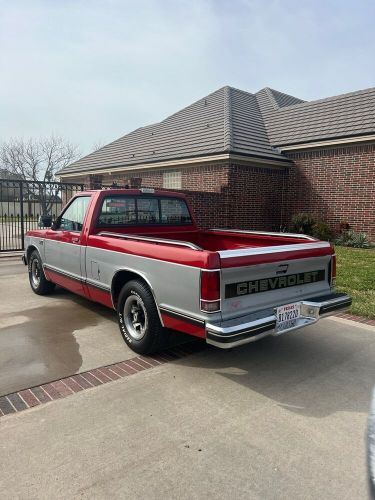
x,y
333,271
210,291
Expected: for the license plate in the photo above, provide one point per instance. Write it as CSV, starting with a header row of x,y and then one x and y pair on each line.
x,y
287,316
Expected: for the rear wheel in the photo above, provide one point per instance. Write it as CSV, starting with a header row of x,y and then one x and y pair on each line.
x,y
38,282
138,318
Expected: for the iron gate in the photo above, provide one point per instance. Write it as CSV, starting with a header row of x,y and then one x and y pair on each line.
x,y
21,204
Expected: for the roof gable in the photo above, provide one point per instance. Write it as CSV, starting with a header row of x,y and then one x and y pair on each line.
x,y
346,115
248,132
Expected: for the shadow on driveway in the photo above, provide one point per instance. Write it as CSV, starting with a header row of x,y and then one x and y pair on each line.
x,y
323,369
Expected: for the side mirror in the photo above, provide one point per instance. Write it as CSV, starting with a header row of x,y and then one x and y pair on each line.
x,y
55,224
45,221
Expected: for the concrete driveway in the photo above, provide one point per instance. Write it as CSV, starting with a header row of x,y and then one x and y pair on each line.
x,y
47,338
283,418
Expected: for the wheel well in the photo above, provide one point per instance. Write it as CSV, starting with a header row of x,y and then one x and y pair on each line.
x,y
29,251
120,279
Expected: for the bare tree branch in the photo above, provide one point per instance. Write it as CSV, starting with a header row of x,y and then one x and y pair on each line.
x,y
37,160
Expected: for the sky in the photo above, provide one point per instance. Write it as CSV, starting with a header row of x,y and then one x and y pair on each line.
x,y
93,70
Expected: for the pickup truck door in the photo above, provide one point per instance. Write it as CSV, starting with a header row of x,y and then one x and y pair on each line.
x,y
64,254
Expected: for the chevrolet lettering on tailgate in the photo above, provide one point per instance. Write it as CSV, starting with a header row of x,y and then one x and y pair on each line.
x,y
267,284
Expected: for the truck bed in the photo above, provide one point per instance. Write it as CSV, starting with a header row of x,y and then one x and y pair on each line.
x,y
213,240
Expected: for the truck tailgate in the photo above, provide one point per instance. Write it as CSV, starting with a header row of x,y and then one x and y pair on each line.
x,y
259,278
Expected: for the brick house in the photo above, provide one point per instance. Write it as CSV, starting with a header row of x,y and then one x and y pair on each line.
x,y
253,160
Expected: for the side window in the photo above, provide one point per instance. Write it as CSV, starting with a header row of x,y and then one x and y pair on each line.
x,y
73,217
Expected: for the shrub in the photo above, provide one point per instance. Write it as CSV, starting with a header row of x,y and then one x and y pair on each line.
x,y
353,239
302,223
344,226
322,231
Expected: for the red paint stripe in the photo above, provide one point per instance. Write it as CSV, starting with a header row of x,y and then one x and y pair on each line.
x,y
101,296
183,326
71,284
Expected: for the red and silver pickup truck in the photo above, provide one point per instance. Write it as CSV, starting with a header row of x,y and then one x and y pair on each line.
x,y
140,252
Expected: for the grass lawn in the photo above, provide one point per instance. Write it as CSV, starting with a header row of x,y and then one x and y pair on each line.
x,y
356,276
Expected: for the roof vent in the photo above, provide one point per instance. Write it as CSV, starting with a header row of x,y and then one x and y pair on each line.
x,y
205,102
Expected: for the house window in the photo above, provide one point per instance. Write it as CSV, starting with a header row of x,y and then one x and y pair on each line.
x,y
172,180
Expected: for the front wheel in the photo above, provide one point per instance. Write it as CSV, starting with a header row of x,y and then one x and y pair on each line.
x,y
138,318
38,282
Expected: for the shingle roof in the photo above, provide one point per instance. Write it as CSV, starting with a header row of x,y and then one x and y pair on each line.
x,y
226,120
341,116
234,121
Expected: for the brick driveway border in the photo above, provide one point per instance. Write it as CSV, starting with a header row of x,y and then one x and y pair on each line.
x,y
45,393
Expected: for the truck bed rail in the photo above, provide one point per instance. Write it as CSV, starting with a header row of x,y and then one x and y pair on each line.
x,y
266,233
151,240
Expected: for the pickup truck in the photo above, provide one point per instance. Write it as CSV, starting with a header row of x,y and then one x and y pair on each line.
x,y
140,252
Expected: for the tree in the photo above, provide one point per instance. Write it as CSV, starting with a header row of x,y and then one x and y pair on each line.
x,y
37,161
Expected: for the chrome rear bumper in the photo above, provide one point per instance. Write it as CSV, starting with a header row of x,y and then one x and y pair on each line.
x,y
250,328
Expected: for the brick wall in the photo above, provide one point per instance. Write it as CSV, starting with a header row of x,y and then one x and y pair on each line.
x,y
224,195
205,186
336,185
255,197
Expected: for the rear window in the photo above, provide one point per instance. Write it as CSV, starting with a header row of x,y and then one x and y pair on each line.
x,y
121,210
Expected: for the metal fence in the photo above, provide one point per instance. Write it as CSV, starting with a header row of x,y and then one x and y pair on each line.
x,y
23,202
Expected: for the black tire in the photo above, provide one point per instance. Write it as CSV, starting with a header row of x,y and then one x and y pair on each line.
x,y
38,282
136,306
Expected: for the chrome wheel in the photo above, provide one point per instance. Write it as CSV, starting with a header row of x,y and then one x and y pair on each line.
x,y
35,273
135,317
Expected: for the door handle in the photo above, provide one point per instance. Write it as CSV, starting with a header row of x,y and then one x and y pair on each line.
x,y
75,240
